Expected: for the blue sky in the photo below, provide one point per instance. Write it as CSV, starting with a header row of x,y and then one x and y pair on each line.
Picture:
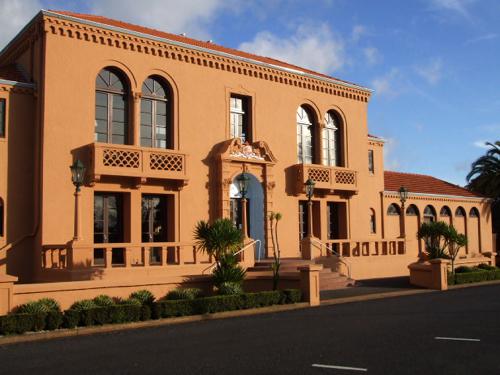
x,y
434,64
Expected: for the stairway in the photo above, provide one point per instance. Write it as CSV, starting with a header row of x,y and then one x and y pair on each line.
x,y
328,278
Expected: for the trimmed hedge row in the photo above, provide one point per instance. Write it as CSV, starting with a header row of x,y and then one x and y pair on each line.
x,y
474,277
124,313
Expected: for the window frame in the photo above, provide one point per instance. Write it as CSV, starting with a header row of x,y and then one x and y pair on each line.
x,y
331,134
110,94
155,100
246,118
3,118
371,162
373,221
302,136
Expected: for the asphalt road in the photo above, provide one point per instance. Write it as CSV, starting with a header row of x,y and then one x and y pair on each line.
x,y
390,336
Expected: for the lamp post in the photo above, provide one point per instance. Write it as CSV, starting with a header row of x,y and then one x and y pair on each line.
x,y
77,177
309,184
403,196
243,180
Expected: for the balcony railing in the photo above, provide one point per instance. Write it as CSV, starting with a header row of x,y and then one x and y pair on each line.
x,y
122,255
330,178
133,161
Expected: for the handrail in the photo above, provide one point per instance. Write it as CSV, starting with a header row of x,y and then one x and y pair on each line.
x,y
236,253
340,257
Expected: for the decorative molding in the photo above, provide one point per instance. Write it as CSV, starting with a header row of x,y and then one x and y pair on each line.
x,y
437,197
93,32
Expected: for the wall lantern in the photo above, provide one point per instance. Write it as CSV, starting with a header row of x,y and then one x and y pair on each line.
x,y
403,195
243,180
77,173
309,188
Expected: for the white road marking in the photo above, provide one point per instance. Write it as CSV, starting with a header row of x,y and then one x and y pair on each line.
x,y
456,339
340,367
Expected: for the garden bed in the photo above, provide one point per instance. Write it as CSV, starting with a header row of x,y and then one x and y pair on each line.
x,y
481,273
131,311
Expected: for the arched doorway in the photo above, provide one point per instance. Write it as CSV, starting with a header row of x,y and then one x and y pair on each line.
x,y
255,211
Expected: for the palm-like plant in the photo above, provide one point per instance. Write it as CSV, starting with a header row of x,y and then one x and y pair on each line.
x,y
221,240
484,176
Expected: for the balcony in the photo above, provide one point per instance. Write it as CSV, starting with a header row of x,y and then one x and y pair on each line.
x,y
328,178
140,162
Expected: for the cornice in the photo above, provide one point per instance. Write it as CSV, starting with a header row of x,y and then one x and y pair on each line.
x,y
437,197
94,32
16,87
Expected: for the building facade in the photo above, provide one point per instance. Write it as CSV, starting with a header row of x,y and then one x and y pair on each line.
x,y
164,125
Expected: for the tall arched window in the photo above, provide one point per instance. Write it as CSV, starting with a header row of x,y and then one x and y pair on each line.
x,y
473,212
429,214
111,109
412,210
373,221
460,212
445,212
305,137
394,210
1,218
332,136
156,126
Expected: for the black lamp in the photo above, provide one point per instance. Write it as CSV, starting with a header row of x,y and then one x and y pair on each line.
x,y
309,188
77,173
403,195
243,180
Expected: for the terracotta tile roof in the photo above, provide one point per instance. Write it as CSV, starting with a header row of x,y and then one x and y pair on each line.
x,y
194,42
374,136
419,183
12,72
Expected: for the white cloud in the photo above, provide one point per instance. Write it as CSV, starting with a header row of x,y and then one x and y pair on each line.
x,y
312,46
391,162
481,38
14,14
431,72
456,6
357,32
389,84
188,16
372,55
481,144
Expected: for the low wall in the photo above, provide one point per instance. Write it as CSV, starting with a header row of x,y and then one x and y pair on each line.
x,y
372,267
66,293
431,275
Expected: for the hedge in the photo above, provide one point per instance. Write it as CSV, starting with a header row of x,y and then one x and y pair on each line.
x,y
127,312
474,277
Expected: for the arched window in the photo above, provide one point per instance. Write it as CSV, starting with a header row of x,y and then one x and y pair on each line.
x,y
393,209
445,212
429,214
412,210
111,109
1,218
156,127
373,221
473,212
305,136
460,212
332,137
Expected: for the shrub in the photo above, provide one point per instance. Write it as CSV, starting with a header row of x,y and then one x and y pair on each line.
x,y
21,323
171,308
8,324
145,312
474,277
228,288
463,269
183,293
290,296
131,301
103,300
71,318
484,266
253,300
209,305
84,304
54,320
43,305
144,296
228,271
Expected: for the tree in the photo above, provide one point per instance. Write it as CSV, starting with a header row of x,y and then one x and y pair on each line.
x,y
442,241
221,240
274,218
484,178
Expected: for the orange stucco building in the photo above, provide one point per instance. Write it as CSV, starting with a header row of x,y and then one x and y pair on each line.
x,y
164,125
